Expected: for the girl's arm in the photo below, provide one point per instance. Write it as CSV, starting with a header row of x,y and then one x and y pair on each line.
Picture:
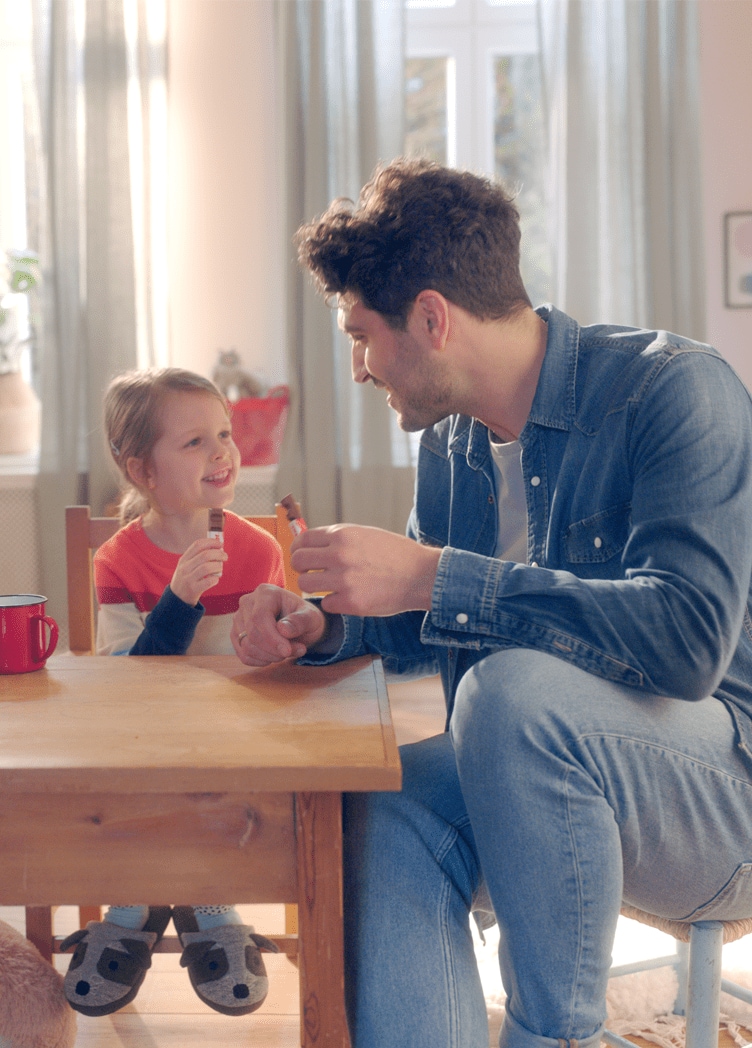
x,y
125,629
169,627
166,630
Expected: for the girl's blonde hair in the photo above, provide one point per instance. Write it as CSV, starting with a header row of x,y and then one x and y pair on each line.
x,y
133,421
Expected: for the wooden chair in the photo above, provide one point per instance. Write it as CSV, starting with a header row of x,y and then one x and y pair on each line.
x,y
83,535
698,968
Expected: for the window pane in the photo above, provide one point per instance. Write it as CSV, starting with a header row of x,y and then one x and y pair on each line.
x,y
426,108
519,161
15,91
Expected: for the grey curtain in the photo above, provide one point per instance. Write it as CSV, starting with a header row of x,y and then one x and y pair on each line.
x,y
621,95
341,65
99,66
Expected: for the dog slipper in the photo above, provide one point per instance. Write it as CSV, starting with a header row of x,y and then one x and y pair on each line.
x,y
224,964
110,963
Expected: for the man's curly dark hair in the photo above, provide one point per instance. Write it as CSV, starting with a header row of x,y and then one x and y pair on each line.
x,y
419,225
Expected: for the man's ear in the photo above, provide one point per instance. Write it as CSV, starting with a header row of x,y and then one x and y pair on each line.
x,y
431,311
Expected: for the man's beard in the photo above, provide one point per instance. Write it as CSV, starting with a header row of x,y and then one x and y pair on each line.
x,y
419,413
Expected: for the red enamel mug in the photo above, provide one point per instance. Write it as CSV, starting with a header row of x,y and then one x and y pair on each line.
x,y
23,644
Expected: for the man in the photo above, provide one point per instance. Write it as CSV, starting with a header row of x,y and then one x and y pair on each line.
x,y
577,566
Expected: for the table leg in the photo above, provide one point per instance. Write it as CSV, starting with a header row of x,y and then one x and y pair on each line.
x,y
318,820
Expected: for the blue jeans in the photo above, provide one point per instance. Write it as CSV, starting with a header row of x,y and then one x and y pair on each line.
x,y
566,794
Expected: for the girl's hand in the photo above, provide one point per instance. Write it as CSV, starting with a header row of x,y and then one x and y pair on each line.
x,y
198,570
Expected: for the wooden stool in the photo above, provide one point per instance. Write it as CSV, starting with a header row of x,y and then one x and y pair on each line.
x,y
698,967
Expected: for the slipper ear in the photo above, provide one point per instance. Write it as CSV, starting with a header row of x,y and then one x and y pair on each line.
x,y
194,952
139,951
263,943
73,938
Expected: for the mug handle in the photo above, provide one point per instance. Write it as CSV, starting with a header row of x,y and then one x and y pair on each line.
x,y
45,619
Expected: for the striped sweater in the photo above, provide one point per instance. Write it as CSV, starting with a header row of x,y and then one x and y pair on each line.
x,y
140,615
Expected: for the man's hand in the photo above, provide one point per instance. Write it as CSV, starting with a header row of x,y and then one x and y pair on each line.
x,y
365,571
198,570
272,624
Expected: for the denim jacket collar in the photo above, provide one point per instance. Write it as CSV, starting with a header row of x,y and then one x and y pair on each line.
x,y
554,401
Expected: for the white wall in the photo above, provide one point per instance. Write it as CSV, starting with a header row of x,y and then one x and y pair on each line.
x,y
225,247
226,239
726,125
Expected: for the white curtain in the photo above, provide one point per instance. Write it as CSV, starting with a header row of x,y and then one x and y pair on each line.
x,y
621,98
100,68
341,64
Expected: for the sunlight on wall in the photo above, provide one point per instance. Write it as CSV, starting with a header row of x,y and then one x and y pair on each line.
x,y
226,240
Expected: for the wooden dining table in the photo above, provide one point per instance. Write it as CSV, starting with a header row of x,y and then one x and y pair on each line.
x,y
189,780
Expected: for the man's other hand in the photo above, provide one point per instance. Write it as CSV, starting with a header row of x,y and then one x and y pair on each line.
x,y
272,624
365,571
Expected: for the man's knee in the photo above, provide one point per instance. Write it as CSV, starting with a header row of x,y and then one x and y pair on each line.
x,y
504,689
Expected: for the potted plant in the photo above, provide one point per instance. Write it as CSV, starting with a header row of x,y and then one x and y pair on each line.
x,y
19,405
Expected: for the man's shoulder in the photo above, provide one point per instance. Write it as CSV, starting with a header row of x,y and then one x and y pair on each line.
x,y
619,366
631,359
621,340
645,343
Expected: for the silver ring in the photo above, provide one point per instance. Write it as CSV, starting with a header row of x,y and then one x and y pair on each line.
x,y
242,636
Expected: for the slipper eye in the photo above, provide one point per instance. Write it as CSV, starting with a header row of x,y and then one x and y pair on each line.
x,y
79,954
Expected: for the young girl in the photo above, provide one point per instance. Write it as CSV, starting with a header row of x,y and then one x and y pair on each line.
x,y
165,587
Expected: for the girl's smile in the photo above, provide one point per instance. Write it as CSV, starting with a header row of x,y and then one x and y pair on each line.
x,y
194,464
220,479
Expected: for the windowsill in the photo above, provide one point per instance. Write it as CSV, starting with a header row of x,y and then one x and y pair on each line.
x,y
15,466
20,465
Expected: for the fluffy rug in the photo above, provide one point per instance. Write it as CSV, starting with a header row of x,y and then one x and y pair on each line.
x,y
641,1003
637,1004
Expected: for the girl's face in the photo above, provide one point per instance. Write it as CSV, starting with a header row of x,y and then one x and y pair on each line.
x,y
195,462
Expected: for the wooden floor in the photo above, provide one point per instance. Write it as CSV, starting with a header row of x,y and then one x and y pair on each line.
x,y
168,1014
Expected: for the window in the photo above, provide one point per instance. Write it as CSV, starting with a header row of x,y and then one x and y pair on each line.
x,y
473,100
15,93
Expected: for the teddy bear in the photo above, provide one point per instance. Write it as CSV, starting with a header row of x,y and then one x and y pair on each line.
x,y
33,1010
232,379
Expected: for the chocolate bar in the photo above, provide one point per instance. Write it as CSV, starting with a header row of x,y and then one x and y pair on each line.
x,y
216,524
294,516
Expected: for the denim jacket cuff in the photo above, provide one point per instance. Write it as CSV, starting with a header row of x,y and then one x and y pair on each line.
x,y
352,644
465,599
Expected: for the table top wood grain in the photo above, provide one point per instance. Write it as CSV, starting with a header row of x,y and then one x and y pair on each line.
x,y
195,724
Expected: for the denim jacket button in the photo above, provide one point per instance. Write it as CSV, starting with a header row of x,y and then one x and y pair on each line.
x,y
597,542
535,481
461,618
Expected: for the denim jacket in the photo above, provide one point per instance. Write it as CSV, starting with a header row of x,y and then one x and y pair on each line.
x,y
637,463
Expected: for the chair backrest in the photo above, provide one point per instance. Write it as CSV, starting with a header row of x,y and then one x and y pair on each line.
x,y
84,534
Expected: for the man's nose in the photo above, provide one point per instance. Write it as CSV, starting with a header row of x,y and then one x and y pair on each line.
x,y
359,369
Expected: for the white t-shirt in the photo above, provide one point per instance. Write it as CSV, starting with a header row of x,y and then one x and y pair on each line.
x,y
511,505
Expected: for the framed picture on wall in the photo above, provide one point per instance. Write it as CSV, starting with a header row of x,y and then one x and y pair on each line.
x,y
738,259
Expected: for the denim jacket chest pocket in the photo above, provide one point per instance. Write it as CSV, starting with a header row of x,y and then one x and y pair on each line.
x,y
598,538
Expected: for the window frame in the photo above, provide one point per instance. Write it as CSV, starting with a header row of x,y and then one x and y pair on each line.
x,y
472,33
15,73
